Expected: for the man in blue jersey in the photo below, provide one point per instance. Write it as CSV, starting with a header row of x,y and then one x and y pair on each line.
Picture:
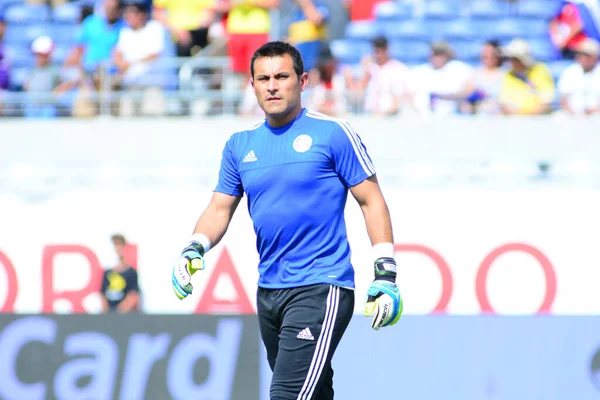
x,y
296,168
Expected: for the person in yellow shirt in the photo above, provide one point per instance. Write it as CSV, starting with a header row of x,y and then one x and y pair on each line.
x,y
188,21
248,27
528,88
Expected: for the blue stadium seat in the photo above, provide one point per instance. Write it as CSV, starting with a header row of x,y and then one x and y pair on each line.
x,y
538,9
60,53
467,50
409,51
67,13
442,9
535,28
459,29
63,34
411,29
17,78
362,30
18,56
392,11
543,50
350,51
24,14
558,66
488,9
24,34
500,29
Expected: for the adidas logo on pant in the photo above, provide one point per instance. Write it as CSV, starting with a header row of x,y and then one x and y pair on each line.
x,y
305,334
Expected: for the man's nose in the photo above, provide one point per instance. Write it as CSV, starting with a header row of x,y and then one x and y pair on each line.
x,y
272,86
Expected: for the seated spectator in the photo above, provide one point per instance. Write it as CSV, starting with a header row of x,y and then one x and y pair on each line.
x,y
140,42
188,21
327,88
579,84
576,20
43,79
248,27
308,30
487,80
4,68
384,81
120,289
437,85
528,88
96,39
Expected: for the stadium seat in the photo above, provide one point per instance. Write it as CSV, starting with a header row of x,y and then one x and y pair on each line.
x,y
23,35
442,9
349,51
459,29
24,14
467,50
17,78
67,13
362,30
558,66
18,56
392,11
60,53
411,29
500,29
538,9
62,34
535,28
409,51
543,50
488,9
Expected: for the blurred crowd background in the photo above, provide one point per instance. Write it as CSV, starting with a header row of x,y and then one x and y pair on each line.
x,y
86,58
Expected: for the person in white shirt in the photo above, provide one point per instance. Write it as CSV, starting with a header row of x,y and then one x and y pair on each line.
x,y
579,83
435,85
384,79
140,43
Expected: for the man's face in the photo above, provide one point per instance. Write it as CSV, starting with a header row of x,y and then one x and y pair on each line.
x,y
587,62
111,10
381,55
2,26
134,17
276,85
517,65
119,249
438,60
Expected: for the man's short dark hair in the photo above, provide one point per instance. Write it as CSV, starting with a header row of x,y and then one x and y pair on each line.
x,y
380,42
278,49
118,238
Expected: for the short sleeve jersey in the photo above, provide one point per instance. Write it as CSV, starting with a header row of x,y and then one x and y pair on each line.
x,y
296,179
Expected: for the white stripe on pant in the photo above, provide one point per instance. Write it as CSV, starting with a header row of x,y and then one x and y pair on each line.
x,y
322,348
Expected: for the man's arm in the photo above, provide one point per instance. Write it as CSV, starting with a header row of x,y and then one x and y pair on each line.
x,y
215,219
129,303
375,210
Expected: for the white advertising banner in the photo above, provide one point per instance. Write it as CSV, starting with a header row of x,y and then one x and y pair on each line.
x,y
461,251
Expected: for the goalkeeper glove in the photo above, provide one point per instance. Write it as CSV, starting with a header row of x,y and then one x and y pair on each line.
x,y
190,261
383,297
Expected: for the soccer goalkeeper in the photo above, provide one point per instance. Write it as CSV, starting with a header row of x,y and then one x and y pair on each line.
x,y
296,168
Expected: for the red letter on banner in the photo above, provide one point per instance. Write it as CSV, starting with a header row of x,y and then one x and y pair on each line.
x,y
486,264
209,304
443,268
49,296
13,284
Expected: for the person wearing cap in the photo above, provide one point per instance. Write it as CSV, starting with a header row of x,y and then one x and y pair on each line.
x,y
574,21
436,85
528,88
579,83
41,81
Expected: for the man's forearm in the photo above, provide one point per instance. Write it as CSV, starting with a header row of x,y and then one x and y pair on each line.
x,y
378,222
129,303
213,223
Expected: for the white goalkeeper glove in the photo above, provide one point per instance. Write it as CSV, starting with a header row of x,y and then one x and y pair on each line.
x,y
190,261
383,297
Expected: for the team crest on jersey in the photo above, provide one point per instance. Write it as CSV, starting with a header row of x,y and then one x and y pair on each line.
x,y
302,143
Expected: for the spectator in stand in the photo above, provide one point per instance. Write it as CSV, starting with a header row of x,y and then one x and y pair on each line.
x,y
42,80
327,88
140,42
248,27
4,69
579,84
120,289
384,81
576,20
437,85
96,40
528,88
308,30
361,10
188,21
483,89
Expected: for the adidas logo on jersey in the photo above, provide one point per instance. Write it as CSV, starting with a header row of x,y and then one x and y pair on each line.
x,y
305,334
250,157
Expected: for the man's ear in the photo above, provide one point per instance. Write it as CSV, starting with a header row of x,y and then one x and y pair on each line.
x,y
303,81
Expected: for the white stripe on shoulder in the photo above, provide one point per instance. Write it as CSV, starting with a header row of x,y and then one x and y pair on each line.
x,y
256,126
364,160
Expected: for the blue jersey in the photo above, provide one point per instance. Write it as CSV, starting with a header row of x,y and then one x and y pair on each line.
x,y
296,179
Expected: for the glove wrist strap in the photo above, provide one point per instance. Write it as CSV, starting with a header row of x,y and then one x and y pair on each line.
x,y
202,240
385,269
